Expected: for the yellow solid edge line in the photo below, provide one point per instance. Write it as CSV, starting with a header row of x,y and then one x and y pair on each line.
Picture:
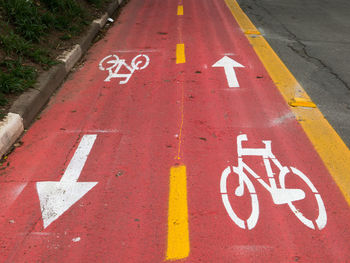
x,y
330,147
180,10
178,234
246,25
180,53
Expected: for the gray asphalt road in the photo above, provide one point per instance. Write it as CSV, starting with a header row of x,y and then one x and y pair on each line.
x,y
313,39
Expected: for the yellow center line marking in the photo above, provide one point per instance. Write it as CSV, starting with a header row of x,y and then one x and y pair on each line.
x,y
330,147
178,245
180,10
178,234
180,53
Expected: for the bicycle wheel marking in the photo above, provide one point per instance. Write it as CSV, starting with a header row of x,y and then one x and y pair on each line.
x,y
280,195
321,220
253,218
113,65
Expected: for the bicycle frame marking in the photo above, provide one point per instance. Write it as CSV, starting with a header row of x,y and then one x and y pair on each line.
x,y
113,64
280,195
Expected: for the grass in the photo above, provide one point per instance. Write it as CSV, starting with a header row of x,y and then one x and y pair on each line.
x,y
26,26
25,16
33,19
14,44
15,77
97,3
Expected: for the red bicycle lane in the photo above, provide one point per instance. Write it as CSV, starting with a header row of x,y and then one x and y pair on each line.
x,y
123,218
215,115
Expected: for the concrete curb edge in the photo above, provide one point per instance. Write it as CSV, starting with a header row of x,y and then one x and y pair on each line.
x,y
24,110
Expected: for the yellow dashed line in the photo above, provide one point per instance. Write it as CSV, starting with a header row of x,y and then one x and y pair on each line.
x,y
180,10
178,234
180,53
178,243
330,147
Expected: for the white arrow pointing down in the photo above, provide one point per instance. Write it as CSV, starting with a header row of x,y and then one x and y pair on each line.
x,y
57,197
229,64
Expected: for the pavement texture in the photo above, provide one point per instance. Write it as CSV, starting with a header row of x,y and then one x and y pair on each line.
x,y
312,38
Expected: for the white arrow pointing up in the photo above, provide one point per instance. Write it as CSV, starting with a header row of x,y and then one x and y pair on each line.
x,y
57,197
229,64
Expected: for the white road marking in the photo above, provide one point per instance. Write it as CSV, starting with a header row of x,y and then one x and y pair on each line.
x,y
229,64
57,197
280,194
113,65
137,51
77,163
92,131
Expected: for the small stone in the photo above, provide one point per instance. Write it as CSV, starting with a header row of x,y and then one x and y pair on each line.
x,y
76,239
119,173
18,144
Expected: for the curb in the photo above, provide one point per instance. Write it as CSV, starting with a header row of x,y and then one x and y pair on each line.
x,y
24,110
11,128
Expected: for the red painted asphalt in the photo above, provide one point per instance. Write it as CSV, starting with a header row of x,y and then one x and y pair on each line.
x,y
124,217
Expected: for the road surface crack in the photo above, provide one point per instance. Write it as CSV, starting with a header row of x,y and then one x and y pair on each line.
x,y
302,52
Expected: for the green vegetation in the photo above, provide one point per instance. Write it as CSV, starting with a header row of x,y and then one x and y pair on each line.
x,y
15,45
31,32
16,77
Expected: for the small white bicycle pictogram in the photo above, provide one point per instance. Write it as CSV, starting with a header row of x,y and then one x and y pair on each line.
x,y
280,195
113,64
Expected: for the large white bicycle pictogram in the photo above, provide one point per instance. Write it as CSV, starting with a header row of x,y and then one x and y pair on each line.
x,y
280,195
113,65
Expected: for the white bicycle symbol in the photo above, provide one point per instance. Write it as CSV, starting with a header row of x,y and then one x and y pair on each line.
x,y
280,195
113,64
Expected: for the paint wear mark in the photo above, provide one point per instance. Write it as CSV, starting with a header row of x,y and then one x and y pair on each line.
x,y
280,195
282,119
